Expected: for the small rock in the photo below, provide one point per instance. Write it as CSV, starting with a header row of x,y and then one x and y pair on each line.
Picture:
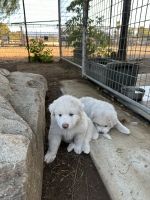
x,y
4,72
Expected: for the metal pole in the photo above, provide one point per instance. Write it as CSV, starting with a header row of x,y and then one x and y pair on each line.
x,y
26,30
122,51
59,24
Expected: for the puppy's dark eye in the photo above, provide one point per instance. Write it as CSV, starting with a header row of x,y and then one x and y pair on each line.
x,y
70,114
105,126
60,115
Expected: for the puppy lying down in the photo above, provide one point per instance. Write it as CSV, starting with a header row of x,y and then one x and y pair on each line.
x,y
70,123
103,115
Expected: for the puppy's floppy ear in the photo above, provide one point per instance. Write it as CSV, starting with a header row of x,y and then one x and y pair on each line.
x,y
112,120
92,115
51,107
81,105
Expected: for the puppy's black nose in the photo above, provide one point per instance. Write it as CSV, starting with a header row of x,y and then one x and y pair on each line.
x,y
65,126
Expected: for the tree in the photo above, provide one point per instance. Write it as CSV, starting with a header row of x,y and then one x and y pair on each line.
x,y
117,29
95,35
8,7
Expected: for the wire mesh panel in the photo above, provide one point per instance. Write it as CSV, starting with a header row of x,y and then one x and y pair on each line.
x,y
117,45
120,56
41,23
71,30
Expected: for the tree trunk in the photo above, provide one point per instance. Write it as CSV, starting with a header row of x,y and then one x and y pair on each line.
x,y
84,34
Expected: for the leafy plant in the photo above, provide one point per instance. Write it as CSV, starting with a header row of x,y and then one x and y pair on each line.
x,y
96,37
46,57
8,7
4,29
36,47
104,52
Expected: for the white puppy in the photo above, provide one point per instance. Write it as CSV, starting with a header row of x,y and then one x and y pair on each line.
x,y
103,115
70,123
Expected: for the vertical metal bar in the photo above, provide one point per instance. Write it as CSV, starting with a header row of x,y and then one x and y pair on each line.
x,y
59,24
26,30
124,30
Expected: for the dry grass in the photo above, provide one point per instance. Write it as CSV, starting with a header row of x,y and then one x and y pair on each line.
x,y
21,52
18,53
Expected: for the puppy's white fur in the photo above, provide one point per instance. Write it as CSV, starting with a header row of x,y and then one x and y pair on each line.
x,y
70,123
103,115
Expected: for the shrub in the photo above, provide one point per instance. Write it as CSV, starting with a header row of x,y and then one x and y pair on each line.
x,y
36,48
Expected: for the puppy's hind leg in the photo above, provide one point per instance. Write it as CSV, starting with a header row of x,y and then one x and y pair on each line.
x,y
121,128
90,134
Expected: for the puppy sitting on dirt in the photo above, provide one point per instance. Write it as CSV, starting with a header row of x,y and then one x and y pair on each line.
x,y
103,115
70,123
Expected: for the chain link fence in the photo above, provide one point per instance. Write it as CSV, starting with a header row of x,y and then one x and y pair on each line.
x,y
13,42
108,39
30,21
114,49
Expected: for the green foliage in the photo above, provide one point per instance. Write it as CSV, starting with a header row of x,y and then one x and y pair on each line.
x,y
96,36
75,6
104,52
4,30
143,32
46,56
8,7
39,54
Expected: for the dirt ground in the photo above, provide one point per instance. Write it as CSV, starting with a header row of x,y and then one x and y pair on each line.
x,y
16,52
70,176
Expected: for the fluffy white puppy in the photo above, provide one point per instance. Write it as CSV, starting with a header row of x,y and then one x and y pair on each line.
x,y
70,123
103,115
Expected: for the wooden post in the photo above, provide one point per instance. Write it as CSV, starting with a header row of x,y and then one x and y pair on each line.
x,y
26,30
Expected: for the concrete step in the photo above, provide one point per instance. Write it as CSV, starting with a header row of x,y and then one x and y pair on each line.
x,y
123,162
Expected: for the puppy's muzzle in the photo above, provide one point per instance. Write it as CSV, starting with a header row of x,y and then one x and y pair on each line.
x,y
65,126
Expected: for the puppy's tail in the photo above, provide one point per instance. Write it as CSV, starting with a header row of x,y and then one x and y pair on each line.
x,y
121,128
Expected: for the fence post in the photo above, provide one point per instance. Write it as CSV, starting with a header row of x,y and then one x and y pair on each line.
x,y
84,35
124,30
59,24
25,23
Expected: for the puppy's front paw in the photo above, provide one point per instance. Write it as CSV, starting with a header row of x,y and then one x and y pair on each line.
x,y
49,157
70,147
86,148
77,149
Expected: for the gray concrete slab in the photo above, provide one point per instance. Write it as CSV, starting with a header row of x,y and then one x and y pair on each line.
x,y
123,162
